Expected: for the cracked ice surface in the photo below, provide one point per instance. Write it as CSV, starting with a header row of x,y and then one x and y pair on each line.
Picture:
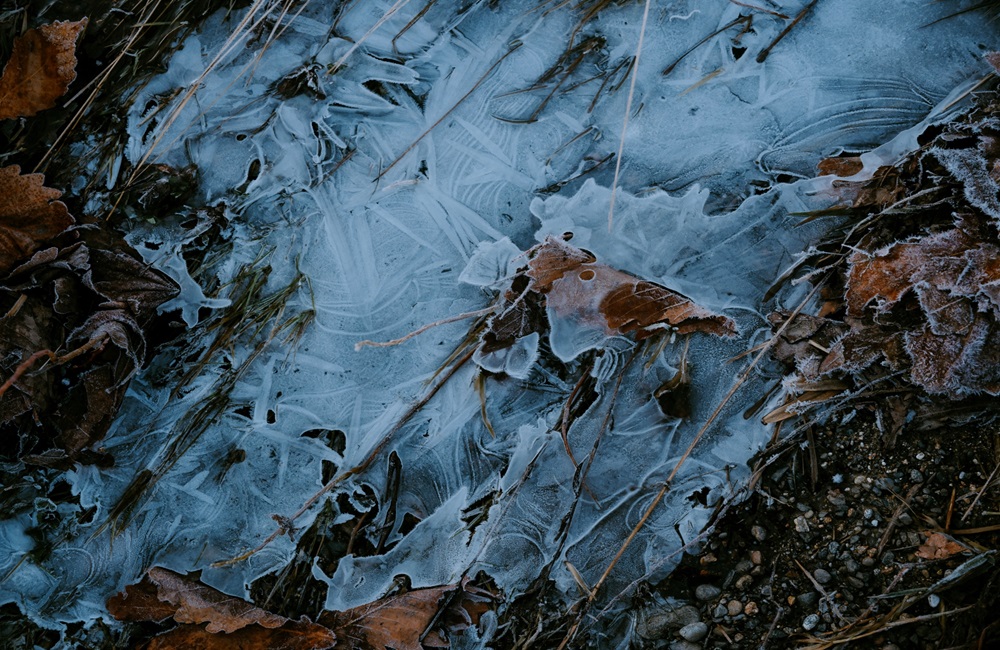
x,y
385,250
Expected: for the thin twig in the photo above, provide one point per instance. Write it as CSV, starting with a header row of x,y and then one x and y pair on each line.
x,y
448,112
421,330
802,14
357,469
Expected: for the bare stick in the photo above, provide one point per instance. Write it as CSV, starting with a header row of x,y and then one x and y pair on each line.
x,y
802,14
628,110
421,330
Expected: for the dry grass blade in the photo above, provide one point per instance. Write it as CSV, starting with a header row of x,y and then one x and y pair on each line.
x,y
448,112
628,111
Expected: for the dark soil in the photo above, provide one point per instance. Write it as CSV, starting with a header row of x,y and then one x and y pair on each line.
x,y
823,553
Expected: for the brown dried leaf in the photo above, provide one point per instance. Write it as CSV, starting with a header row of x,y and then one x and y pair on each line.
x,y
842,166
41,68
599,295
293,635
939,546
404,621
949,284
29,214
190,602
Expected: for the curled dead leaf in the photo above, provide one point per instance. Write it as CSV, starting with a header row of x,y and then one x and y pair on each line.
x,y
939,546
30,213
412,620
166,594
41,68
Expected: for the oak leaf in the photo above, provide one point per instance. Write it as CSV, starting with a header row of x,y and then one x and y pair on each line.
x,y
938,295
41,68
29,214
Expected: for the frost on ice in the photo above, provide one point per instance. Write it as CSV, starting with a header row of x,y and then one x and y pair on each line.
x,y
391,172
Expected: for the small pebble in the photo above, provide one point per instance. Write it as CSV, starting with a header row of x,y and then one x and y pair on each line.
x,y
810,622
706,592
744,583
808,599
758,533
719,611
694,632
751,608
756,557
734,608
934,600
822,576
801,525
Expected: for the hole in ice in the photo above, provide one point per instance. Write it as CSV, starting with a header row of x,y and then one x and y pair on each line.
x,y
244,411
271,417
700,496
335,439
587,275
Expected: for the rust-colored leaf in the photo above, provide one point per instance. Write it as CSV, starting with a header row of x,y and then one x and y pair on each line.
x,y
842,166
412,620
293,635
192,602
939,546
575,284
29,214
41,68
939,295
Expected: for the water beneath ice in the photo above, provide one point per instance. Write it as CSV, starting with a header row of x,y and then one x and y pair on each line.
x,y
380,184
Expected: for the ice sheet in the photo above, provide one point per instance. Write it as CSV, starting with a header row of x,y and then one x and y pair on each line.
x,y
384,183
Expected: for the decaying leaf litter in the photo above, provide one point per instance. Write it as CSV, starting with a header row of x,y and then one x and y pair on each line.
x,y
581,341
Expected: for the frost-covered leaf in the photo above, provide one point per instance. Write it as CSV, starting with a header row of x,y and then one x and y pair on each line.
x,y
949,281
29,214
41,68
84,309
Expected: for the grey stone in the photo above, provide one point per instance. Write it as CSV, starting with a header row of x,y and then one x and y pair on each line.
x,y
807,599
694,631
684,645
810,622
822,576
661,623
734,608
706,592
758,533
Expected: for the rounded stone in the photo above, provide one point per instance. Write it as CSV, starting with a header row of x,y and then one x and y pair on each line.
x,y
706,592
694,632
758,533
822,576
734,608
810,622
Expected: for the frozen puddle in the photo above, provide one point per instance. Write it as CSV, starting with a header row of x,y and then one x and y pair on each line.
x,y
378,181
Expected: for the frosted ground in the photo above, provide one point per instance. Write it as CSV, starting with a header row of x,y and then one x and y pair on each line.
x,y
422,146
